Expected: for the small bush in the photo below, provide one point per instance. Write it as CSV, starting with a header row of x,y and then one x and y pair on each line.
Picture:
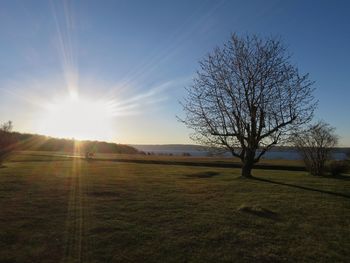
x,y
338,167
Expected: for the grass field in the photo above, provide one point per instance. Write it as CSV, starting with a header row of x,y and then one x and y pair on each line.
x,y
56,209
25,155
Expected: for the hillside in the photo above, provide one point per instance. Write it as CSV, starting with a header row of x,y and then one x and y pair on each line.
x,y
34,142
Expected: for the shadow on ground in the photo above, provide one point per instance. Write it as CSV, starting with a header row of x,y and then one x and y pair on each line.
x,y
206,174
303,187
338,177
259,211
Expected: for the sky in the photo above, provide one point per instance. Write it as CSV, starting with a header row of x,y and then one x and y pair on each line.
x,y
130,61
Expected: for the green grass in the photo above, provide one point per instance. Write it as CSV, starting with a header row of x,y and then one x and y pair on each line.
x,y
59,210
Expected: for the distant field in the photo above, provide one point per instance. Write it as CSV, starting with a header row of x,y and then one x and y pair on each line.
x,y
42,155
58,209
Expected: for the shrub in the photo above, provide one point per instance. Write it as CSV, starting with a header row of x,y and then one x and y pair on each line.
x,y
315,145
7,140
338,167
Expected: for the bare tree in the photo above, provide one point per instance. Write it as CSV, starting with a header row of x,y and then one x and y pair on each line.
x,y
315,145
247,97
6,140
6,127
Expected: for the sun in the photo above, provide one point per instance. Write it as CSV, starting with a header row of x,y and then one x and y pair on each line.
x,y
77,117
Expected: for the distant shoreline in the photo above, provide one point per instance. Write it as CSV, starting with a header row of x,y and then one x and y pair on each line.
x,y
280,152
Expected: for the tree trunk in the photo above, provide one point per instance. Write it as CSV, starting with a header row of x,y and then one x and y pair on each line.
x,y
247,169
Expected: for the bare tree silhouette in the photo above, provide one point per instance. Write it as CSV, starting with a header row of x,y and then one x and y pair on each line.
x,y
6,140
247,97
315,145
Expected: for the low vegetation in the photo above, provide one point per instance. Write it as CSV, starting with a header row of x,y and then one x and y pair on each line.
x,y
58,209
337,168
315,145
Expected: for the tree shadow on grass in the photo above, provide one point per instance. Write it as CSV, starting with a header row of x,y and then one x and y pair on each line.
x,y
338,177
207,174
303,187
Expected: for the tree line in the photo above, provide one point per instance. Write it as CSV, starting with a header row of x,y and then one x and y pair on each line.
x,y
11,141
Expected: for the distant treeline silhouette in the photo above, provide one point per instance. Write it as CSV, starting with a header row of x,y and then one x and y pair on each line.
x,y
34,142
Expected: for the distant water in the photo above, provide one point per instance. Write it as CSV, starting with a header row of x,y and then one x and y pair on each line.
x,y
275,155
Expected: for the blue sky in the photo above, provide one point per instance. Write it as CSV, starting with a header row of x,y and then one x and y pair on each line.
x,y
141,55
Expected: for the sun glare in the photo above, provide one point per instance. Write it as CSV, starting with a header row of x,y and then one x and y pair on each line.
x,y
79,118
